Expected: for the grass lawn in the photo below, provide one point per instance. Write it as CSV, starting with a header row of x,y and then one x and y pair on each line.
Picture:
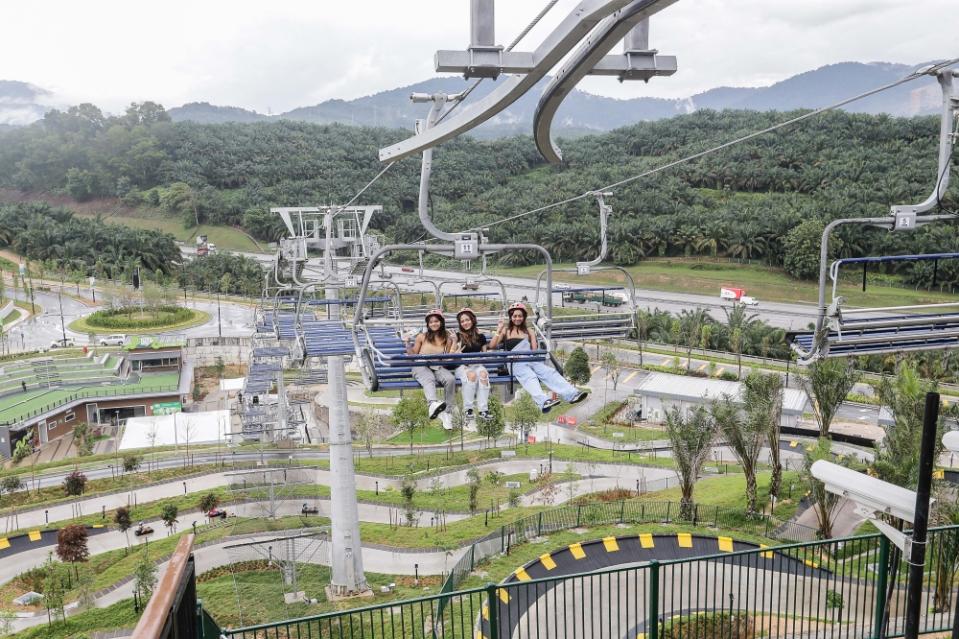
x,y
729,491
225,237
118,615
256,596
433,433
706,277
623,434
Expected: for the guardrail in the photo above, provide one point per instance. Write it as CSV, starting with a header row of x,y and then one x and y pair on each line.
x,y
851,588
171,612
115,390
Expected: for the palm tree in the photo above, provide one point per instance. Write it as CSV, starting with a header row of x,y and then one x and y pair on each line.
x,y
690,438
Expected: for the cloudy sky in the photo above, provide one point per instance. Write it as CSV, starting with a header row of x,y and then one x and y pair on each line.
x,y
278,55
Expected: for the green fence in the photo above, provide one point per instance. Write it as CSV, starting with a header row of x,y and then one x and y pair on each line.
x,y
837,589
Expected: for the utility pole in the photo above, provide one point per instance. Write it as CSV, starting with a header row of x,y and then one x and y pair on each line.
x,y
63,326
219,317
920,526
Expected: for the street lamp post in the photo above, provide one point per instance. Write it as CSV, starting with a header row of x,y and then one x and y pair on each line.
x,y
219,320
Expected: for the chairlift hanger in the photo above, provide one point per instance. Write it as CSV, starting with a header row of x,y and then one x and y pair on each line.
x,y
888,329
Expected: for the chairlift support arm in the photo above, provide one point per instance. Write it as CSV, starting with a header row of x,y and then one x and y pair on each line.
x,y
636,62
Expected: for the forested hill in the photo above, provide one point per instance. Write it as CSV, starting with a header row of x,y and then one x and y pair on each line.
x,y
763,200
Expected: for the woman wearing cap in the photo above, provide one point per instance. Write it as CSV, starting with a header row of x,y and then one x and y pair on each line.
x,y
475,377
516,336
436,340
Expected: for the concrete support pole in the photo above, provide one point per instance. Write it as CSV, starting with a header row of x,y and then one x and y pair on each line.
x,y
346,549
638,37
482,25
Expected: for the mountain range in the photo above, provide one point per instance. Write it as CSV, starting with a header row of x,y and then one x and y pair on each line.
x,y
580,113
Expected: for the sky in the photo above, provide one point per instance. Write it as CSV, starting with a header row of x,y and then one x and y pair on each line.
x,y
278,55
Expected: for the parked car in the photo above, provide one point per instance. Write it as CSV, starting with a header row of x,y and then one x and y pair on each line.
x,y
68,342
216,512
113,340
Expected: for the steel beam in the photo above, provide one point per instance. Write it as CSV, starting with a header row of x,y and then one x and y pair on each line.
x,y
591,55
574,27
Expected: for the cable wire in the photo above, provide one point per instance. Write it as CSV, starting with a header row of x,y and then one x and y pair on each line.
x,y
368,185
725,145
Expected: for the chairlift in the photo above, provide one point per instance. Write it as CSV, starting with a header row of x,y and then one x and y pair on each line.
x,y
599,324
844,332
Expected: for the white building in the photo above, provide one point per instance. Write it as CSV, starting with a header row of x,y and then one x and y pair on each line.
x,y
661,392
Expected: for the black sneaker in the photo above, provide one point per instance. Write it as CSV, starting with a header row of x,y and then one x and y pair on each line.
x,y
469,413
583,394
548,405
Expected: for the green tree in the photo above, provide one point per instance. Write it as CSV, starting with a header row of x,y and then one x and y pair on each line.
x,y
168,513
144,577
72,545
208,502
408,491
763,402
11,484
124,521
409,414
525,415
613,370
827,382
824,502
83,439
494,426
369,426
690,438
577,366
745,435
54,591
473,486
802,246
897,454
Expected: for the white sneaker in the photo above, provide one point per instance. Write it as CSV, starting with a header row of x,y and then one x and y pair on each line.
x,y
436,408
447,420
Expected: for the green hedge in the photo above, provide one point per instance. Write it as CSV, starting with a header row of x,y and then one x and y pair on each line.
x,y
120,318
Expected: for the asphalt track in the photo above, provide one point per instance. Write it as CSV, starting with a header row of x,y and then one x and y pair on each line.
x,y
533,583
38,539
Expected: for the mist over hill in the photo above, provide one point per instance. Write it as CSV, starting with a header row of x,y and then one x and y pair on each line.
x,y
581,113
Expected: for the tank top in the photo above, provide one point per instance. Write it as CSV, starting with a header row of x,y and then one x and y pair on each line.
x,y
429,348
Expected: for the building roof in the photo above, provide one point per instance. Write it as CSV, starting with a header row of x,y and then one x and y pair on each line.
x,y
146,356
702,390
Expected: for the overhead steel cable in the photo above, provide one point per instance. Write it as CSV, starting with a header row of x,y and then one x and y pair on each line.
x,y
725,145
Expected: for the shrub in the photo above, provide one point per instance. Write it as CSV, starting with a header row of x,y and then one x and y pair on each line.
x,y
131,463
11,483
710,625
74,482
122,318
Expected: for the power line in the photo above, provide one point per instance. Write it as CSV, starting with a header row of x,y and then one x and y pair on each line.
x,y
912,76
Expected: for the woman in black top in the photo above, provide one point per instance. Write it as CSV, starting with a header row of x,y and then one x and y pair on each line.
x,y
475,377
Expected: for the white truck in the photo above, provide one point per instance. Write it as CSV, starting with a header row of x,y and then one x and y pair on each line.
x,y
737,295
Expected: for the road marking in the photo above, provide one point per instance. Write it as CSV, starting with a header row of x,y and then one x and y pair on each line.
x,y
630,376
703,367
521,574
547,561
610,544
593,372
4,543
685,540
793,444
720,371
646,540
725,544
503,595
35,535
485,616
576,550
767,554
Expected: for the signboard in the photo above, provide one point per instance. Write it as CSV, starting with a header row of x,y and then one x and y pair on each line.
x,y
507,453
513,484
166,408
618,435
531,439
